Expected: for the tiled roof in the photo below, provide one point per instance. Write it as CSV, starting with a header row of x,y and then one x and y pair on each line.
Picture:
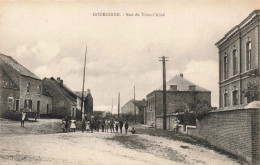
x,y
182,84
18,67
139,103
79,93
64,91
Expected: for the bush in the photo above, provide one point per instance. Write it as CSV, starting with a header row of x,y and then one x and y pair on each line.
x,y
202,109
12,115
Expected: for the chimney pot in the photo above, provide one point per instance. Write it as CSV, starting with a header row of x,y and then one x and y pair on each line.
x,y
181,74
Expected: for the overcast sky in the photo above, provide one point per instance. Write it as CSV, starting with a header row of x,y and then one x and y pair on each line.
x,y
50,40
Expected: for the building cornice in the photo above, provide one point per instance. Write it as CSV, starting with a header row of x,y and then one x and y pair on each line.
x,y
239,27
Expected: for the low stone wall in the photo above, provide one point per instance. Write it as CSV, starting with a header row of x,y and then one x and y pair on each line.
x,y
233,130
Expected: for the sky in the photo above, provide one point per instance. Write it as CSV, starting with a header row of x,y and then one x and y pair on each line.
x,y
50,39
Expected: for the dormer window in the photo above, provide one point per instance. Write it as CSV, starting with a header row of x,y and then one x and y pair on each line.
x,y
173,87
192,87
28,87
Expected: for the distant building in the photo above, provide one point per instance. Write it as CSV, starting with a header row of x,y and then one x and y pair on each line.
x,y
180,93
64,101
88,101
21,90
239,60
131,105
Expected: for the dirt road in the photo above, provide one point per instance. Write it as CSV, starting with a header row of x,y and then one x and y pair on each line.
x,y
103,148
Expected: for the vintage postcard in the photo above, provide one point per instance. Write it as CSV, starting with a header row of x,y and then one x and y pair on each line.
x,y
130,82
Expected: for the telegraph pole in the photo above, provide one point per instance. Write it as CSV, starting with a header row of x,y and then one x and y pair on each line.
x,y
118,105
82,98
163,59
134,104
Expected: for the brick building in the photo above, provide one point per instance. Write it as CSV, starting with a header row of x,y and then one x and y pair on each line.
x,y
131,106
239,60
88,102
64,101
20,89
180,93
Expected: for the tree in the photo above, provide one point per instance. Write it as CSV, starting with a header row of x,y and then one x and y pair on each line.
x,y
252,92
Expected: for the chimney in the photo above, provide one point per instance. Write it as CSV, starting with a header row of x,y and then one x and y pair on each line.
x,y
88,90
143,99
58,78
181,74
61,82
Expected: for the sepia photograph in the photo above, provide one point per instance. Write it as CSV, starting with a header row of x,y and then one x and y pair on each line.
x,y
126,82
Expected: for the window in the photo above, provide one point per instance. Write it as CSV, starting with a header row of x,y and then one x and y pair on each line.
x,y
235,97
225,98
17,108
173,87
10,103
248,56
47,109
28,87
39,89
192,87
225,67
234,61
28,104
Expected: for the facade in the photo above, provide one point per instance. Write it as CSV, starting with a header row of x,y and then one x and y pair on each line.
x,y
64,101
21,90
180,93
88,101
239,60
131,105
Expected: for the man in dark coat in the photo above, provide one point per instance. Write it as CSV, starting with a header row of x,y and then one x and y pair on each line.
x,y
92,123
121,123
126,127
83,125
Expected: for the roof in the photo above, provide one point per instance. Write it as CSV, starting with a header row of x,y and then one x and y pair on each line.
x,y
139,103
182,85
18,67
63,90
239,26
79,93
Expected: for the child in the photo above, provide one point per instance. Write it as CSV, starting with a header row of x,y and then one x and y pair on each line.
x,y
116,127
63,125
73,125
133,130
23,118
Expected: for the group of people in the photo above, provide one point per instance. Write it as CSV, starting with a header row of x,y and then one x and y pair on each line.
x,y
96,125
68,125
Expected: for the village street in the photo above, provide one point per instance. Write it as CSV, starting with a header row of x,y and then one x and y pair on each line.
x,y
20,147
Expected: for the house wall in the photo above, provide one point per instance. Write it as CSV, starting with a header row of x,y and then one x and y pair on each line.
x,y
128,108
239,80
235,131
178,100
7,90
60,105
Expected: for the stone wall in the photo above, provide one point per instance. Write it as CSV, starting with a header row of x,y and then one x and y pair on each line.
x,y
235,131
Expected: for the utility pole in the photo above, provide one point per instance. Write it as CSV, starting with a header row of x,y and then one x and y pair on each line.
x,y
82,98
134,105
112,106
118,105
163,59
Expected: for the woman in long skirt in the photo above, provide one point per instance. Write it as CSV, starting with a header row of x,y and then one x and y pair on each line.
x,y
73,125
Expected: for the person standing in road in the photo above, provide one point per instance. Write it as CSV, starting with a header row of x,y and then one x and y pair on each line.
x,y
73,124
83,125
126,127
23,118
116,127
103,125
121,123
112,125
92,123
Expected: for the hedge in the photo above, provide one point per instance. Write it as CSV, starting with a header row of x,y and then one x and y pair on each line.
x,y
12,115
